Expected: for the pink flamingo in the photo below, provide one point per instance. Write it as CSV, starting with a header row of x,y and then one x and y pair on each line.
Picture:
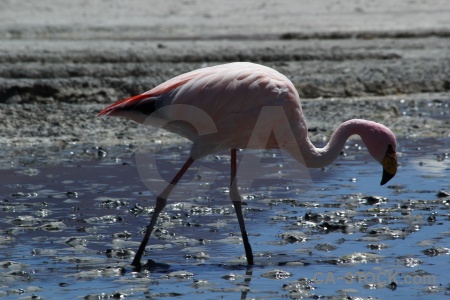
x,y
242,105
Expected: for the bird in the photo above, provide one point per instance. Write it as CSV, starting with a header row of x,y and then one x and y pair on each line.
x,y
242,105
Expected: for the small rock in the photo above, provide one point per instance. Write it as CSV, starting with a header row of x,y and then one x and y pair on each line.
x,y
294,236
71,194
277,274
199,255
380,246
436,251
119,253
392,286
372,200
101,152
180,274
76,242
325,247
443,194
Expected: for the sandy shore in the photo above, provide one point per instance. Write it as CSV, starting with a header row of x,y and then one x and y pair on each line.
x,y
62,62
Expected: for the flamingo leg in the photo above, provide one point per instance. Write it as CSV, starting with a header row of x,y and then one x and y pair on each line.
x,y
161,201
237,203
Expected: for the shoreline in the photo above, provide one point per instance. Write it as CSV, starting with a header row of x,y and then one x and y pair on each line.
x,y
61,63
56,140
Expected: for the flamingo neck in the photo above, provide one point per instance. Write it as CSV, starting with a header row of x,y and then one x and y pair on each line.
x,y
314,157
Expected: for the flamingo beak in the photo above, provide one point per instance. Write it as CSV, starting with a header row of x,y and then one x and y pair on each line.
x,y
390,165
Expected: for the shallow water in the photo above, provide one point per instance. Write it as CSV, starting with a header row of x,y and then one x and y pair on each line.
x,y
69,231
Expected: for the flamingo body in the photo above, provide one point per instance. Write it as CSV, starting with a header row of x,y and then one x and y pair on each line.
x,y
244,105
232,95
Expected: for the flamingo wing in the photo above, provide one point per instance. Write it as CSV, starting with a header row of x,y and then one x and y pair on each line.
x,y
230,96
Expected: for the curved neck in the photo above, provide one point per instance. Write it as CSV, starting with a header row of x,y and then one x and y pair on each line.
x,y
314,157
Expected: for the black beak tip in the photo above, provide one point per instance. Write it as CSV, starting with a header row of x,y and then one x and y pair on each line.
x,y
386,177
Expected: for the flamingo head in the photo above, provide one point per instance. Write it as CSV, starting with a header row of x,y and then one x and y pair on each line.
x,y
389,164
381,144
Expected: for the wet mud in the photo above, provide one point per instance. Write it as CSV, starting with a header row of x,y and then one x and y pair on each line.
x,y
50,96
75,199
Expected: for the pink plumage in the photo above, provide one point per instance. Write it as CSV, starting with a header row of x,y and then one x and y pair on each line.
x,y
243,105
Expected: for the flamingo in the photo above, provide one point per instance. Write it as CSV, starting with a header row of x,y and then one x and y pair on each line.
x,y
240,106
